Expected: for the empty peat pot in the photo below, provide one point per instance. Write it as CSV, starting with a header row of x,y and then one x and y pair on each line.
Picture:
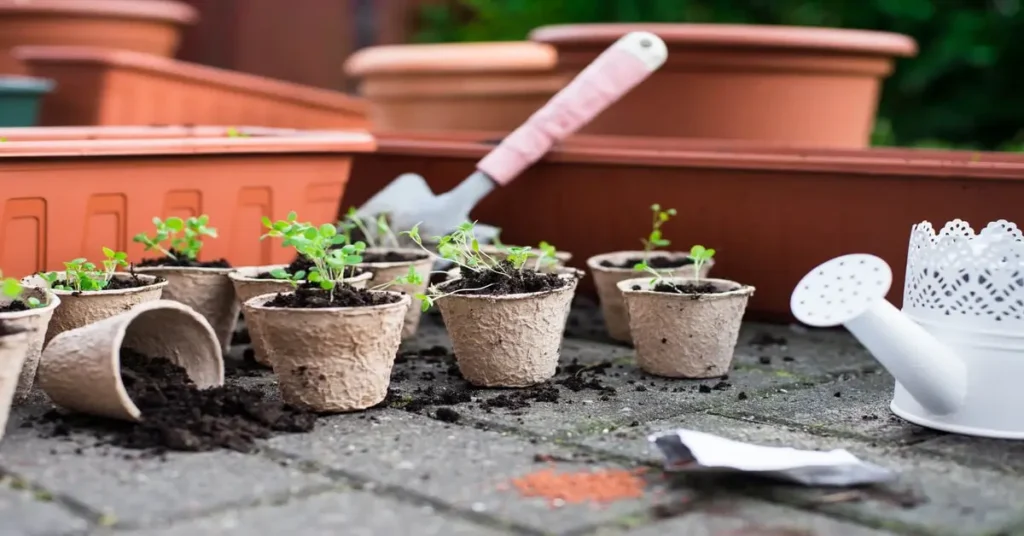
x,y
35,322
248,284
207,290
611,268
330,359
684,335
13,349
388,263
77,309
956,348
80,369
507,340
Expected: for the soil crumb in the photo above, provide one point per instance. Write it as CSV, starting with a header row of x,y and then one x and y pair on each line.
x,y
311,296
507,281
177,416
184,262
657,262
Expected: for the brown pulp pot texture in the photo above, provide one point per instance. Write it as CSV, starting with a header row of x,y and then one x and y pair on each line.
x,y
606,279
209,291
247,287
13,349
455,86
151,27
685,335
77,309
811,86
330,360
386,272
35,323
507,341
81,368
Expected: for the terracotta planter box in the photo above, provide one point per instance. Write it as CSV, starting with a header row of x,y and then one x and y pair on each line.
x,y
455,86
772,213
150,26
112,87
807,86
69,192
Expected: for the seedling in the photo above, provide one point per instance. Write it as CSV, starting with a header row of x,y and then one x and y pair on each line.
x,y
187,245
700,255
81,275
383,235
656,239
323,246
13,290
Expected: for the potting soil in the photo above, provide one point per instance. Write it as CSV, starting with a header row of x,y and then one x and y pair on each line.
x,y
177,416
311,296
656,262
505,279
120,283
184,262
689,288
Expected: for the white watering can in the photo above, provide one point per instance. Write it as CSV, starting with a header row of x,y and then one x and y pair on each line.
x,y
957,347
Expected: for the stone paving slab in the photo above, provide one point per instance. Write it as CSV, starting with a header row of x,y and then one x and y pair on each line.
x,y
348,513
465,468
28,512
125,489
960,500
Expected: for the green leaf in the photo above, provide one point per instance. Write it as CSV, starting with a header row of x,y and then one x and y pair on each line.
x,y
175,224
121,256
11,288
109,253
292,216
34,302
267,223
328,231
311,233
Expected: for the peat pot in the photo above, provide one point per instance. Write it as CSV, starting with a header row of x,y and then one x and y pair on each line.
x,y
386,264
34,323
809,86
455,86
13,347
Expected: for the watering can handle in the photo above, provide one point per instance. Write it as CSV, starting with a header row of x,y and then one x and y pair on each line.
x,y
618,69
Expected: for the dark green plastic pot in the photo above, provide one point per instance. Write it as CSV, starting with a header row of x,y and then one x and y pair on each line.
x,y
19,100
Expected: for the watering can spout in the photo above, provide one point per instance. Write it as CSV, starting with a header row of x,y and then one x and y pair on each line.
x,y
850,291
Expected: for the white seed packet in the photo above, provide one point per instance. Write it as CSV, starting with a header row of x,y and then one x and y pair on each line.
x,y
692,451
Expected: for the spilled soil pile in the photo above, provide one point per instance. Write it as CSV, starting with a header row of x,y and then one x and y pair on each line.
x,y
507,280
311,296
178,416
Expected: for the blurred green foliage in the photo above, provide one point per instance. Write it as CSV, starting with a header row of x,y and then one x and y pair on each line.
x,y
963,89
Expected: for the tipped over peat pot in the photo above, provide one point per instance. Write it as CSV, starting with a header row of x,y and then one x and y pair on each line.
x,y
331,353
386,264
79,308
16,315
787,84
252,281
506,331
770,212
70,191
611,268
683,327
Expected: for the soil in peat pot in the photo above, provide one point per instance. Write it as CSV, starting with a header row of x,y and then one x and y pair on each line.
x,y
311,296
656,262
687,288
14,307
177,416
183,262
121,283
507,281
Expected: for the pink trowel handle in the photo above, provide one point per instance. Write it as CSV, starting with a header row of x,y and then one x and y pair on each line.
x,y
617,70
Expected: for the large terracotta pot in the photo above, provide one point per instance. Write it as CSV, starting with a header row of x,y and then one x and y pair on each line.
x,y
808,86
455,86
150,26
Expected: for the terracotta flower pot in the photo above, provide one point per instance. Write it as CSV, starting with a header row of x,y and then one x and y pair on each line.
x,y
13,349
209,291
455,86
81,368
508,340
809,86
97,86
685,335
387,271
335,359
77,309
103,201
248,286
606,279
152,26
35,323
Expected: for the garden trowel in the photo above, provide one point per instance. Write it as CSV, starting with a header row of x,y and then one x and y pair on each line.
x,y
408,200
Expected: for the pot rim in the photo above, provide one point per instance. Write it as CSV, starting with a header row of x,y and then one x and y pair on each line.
x,y
594,263
449,58
573,282
184,269
625,286
739,36
53,303
154,284
257,302
170,11
394,264
239,274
